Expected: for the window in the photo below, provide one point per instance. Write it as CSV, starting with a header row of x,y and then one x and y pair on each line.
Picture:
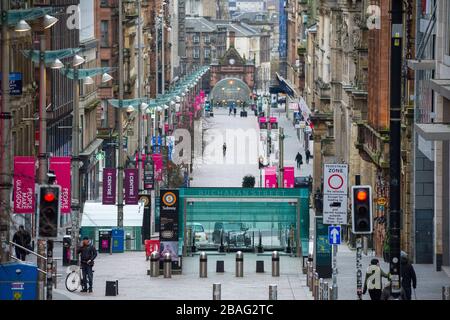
x,y
196,53
207,38
104,29
196,38
207,53
104,63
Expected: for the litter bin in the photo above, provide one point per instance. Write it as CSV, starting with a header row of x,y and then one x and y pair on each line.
x,y
104,240
18,281
117,240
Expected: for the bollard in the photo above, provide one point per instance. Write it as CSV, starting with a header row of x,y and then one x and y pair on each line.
x,y
217,291
167,265
316,286
308,271
154,264
203,266
272,292
325,291
275,264
239,264
330,293
445,293
320,293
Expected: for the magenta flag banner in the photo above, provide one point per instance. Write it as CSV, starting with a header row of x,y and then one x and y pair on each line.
x,y
157,166
61,167
24,184
131,185
270,177
109,186
289,177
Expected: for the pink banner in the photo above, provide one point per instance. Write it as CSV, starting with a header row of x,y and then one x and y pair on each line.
x,y
61,167
289,177
109,186
157,166
270,177
131,185
24,176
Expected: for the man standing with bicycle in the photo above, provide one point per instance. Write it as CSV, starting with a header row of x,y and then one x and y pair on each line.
x,y
87,254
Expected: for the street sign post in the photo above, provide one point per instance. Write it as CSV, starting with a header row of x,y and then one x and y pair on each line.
x,y
335,194
334,235
334,238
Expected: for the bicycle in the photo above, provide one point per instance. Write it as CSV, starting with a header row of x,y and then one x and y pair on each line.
x,y
73,278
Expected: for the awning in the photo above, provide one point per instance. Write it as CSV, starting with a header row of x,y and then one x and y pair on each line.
x,y
286,86
98,215
433,131
91,148
441,86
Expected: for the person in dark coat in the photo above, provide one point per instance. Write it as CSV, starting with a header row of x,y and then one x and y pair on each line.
x,y
308,155
22,238
408,275
87,253
299,160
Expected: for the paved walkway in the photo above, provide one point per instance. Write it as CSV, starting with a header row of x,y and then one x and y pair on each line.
x,y
130,269
241,158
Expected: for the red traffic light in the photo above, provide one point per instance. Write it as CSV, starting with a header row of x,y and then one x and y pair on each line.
x,y
49,197
361,195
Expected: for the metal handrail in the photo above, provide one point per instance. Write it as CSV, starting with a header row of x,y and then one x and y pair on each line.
x,y
27,250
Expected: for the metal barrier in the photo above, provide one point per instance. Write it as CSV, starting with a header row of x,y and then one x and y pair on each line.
x,y
239,264
446,293
272,292
275,264
320,290
308,275
154,264
316,286
325,295
167,265
217,291
203,265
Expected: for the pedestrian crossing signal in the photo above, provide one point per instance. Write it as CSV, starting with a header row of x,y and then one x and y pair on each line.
x,y
49,211
362,210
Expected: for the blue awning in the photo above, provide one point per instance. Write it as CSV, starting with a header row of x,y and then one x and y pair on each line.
x,y
285,86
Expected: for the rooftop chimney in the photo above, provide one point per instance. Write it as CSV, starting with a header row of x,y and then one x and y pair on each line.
x,y
232,37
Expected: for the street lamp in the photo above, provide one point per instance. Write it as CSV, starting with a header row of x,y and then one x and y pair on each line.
x,y
57,64
49,21
22,26
77,60
88,80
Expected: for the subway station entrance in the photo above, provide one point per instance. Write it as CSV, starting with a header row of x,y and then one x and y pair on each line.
x,y
244,219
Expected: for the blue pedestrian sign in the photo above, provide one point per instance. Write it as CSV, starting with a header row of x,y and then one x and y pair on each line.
x,y
334,234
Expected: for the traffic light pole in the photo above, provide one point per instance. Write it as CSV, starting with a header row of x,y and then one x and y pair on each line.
x,y
42,171
49,269
358,254
394,146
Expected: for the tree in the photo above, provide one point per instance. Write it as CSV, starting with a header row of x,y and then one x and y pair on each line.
x,y
248,181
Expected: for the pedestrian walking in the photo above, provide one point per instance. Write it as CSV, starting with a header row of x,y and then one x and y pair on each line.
x,y
299,160
229,110
224,148
373,281
408,275
23,238
87,254
307,155
234,110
